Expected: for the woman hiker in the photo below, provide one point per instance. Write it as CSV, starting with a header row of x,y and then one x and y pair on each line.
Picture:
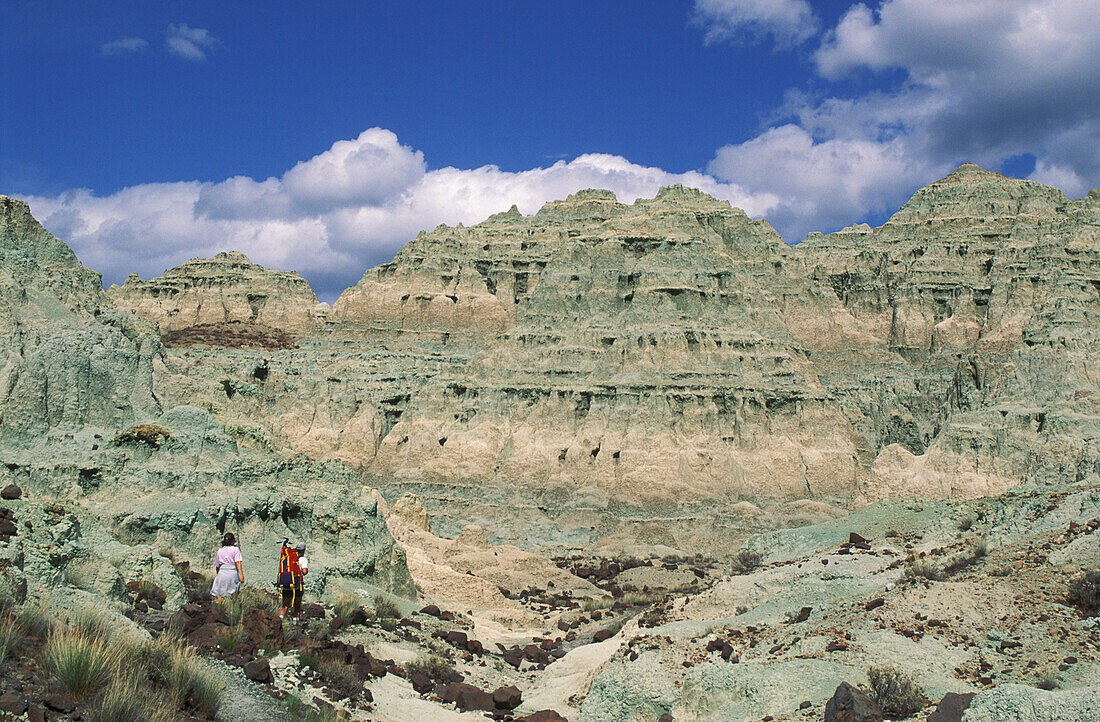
x,y
229,568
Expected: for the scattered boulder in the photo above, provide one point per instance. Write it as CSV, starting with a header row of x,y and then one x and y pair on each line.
x,y
507,698
421,682
11,492
848,704
543,715
59,702
951,707
259,670
13,704
602,635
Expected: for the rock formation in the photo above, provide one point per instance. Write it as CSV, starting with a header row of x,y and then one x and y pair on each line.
x,y
674,359
224,289
81,422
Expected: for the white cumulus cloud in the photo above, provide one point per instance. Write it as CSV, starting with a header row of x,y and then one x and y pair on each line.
x,y
123,46
334,215
789,22
980,80
188,42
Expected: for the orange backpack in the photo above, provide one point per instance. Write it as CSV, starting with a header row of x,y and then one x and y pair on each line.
x,y
290,574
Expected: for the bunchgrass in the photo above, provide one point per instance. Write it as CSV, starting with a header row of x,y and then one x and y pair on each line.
x,y
435,667
593,603
36,618
384,608
345,604
186,677
9,636
124,701
93,622
924,569
81,664
1048,679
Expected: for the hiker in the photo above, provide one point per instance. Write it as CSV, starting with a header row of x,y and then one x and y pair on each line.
x,y
293,567
228,568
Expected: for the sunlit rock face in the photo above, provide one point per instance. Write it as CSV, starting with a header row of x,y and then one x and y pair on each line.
x,y
988,287
224,289
673,358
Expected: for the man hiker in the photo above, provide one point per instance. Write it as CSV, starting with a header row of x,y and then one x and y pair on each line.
x,y
293,566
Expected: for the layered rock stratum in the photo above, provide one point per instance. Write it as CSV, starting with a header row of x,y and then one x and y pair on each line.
x,y
673,360
655,379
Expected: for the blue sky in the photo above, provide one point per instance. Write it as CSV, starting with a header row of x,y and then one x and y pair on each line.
x,y
321,137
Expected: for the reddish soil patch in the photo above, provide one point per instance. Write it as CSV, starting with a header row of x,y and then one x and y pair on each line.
x,y
230,335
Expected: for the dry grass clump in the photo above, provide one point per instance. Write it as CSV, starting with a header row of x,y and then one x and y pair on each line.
x,y
1048,679
894,691
433,666
593,603
924,569
35,619
150,435
184,674
345,604
123,701
82,664
746,561
384,608
1084,592
341,678
9,636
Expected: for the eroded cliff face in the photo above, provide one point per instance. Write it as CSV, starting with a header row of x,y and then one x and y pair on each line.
x,y
988,288
670,361
67,358
75,371
227,288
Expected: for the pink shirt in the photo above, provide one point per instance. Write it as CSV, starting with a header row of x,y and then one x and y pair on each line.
x,y
227,555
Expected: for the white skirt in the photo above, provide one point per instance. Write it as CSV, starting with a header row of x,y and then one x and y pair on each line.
x,y
227,582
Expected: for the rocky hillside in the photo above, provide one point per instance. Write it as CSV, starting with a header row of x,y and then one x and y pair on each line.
x,y
674,360
82,423
227,288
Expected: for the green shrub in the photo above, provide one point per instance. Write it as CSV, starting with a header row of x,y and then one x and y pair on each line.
x,y
150,435
384,608
1084,592
746,561
894,691
81,664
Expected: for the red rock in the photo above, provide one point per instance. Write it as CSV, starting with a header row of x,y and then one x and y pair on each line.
x,y
507,697
421,682
258,670
848,704
13,704
544,715
602,635
951,707
11,491
59,702
431,610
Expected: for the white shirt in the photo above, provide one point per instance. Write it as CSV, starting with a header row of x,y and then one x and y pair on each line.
x,y
303,563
